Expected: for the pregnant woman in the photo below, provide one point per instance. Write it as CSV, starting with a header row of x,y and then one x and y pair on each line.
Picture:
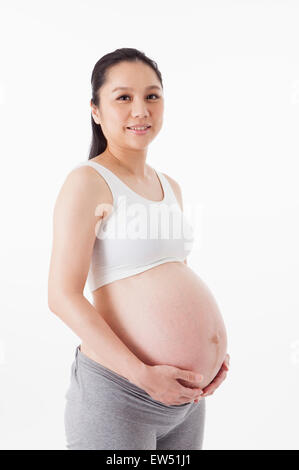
x,y
153,338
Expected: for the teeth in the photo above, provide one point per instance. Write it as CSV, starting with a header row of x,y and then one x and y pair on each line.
x,y
138,128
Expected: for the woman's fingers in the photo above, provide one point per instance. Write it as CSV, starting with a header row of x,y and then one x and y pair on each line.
x,y
218,379
215,383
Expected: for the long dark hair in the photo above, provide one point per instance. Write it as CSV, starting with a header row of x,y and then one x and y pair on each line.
x,y
98,78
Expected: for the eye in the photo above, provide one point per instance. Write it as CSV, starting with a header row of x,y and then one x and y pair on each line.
x,y
123,96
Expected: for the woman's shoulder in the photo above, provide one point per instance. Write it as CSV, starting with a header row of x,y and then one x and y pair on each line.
x,y
176,189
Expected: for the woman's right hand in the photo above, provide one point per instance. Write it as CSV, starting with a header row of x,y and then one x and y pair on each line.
x,y
160,382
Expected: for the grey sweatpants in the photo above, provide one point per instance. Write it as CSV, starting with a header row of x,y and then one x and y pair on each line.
x,y
104,410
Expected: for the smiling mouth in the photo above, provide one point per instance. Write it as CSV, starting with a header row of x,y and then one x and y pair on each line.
x,y
142,128
139,132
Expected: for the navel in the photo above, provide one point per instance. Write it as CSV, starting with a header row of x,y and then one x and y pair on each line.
x,y
215,338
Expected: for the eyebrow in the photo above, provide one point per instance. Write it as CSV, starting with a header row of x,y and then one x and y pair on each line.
x,y
128,88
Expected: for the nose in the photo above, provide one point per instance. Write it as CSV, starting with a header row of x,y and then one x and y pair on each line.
x,y
139,110
139,114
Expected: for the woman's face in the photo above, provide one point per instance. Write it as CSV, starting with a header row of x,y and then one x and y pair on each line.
x,y
140,103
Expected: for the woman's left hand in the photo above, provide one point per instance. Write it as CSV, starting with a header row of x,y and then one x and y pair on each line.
x,y
218,379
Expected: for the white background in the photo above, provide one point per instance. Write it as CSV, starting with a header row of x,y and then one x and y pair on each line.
x,y
230,138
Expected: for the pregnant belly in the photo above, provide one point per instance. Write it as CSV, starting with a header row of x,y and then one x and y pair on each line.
x,y
167,315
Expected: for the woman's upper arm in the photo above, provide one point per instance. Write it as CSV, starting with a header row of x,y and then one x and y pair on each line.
x,y
74,232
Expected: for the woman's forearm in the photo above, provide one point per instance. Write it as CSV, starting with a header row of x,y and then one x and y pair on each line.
x,y
84,320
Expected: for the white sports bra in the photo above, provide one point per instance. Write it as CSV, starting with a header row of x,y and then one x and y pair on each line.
x,y
137,233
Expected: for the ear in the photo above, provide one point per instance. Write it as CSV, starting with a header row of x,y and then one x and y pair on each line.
x,y
95,113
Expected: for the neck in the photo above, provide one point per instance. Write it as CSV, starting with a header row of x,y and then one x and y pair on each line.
x,y
134,164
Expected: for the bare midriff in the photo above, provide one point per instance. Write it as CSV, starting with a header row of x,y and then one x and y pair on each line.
x,y
165,315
